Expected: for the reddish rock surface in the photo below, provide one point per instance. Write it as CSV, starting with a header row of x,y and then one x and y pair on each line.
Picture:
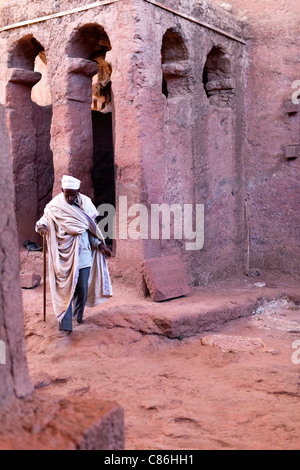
x,y
68,423
30,280
14,378
177,390
272,66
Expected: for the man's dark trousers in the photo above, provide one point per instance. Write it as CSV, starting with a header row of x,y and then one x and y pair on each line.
x,y
79,301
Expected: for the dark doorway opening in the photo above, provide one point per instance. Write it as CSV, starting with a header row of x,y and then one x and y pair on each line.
x,y
103,171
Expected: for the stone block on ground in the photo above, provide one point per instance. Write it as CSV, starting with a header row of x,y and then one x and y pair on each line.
x,y
72,423
30,280
165,278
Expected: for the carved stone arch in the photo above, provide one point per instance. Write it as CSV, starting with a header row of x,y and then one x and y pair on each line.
x,y
24,51
90,43
217,78
175,65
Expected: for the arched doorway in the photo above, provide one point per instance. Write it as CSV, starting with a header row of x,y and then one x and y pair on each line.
x,y
91,43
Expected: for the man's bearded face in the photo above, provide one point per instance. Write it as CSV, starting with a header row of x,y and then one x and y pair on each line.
x,y
70,195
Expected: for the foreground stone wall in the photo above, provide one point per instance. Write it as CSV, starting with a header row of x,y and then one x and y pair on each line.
x,y
70,423
14,379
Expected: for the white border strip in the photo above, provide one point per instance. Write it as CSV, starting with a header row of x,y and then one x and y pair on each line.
x,y
195,20
109,2
58,15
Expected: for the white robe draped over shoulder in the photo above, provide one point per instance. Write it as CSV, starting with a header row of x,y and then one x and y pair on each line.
x,y
66,223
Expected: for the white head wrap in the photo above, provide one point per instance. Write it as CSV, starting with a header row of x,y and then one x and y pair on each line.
x,y
68,182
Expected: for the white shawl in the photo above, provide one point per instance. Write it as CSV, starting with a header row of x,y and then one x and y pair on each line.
x,y
65,223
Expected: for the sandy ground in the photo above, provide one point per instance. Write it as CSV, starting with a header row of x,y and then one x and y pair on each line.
x,y
197,392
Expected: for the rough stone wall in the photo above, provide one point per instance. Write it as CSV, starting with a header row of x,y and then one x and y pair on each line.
x,y
194,158
14,379
272,126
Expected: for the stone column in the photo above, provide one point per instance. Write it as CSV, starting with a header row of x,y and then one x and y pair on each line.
x,y
71,131
127,80
23,148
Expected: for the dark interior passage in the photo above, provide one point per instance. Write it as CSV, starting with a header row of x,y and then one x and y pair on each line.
x,y
42,118
103,173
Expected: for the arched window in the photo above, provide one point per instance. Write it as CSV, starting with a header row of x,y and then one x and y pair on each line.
x,y
217,78
174,59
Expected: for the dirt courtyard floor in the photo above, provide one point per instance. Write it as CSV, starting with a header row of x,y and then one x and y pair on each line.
x,y
234,385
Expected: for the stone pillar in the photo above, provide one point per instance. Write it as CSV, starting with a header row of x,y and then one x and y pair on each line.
x,y
23,148
163,83
127,71
71,132
292,111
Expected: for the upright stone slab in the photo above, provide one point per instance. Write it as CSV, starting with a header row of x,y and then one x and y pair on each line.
x,y
165,278
14,378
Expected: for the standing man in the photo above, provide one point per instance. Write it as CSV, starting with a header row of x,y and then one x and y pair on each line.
x,y
78,273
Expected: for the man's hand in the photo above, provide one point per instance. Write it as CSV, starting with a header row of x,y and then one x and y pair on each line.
x,y
42,230
105,251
